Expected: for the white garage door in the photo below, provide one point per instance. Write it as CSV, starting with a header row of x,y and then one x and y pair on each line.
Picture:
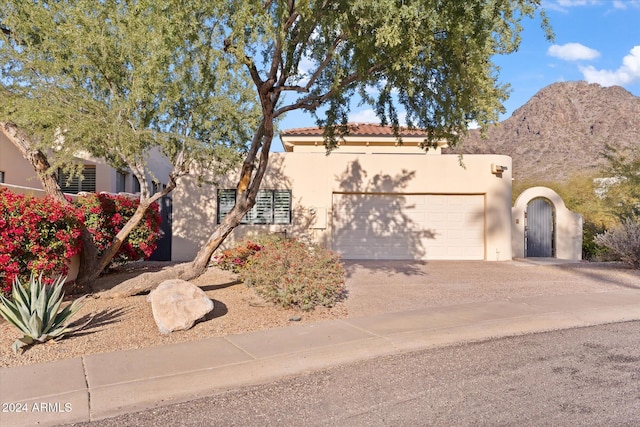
x,y
398,226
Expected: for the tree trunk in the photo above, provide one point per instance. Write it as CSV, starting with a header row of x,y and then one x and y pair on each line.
x,y
248,186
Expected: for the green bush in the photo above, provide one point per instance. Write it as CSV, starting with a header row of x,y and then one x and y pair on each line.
x,y
295,275
591,250
623,241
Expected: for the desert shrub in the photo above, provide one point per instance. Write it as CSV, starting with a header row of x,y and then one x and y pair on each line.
x,y
235,258
37,236
293,274
591,250
623,241
106,214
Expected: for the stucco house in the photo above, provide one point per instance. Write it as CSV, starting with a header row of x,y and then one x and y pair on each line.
x,y
371,198
17,174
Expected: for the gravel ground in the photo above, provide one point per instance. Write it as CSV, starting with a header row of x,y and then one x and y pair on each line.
x,y
127,323
374,287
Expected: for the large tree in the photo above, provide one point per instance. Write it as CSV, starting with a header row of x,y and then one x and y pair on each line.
x,y
430,59
117,79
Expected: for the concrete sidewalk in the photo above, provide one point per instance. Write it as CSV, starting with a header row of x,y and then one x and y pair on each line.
x,y
104,385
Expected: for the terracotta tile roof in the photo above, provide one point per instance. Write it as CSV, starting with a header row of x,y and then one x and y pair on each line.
x,y
357,129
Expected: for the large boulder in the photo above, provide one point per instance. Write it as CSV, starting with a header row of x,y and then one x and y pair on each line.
x,y
177,305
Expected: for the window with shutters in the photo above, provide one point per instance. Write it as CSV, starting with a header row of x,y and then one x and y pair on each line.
x,y
86,182
272,207
1,176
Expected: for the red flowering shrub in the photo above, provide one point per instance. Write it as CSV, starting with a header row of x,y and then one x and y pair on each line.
x,y
295,275
235,258
37,235
40,235
106,214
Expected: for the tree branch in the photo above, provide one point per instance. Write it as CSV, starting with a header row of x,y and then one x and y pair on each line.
x,y
312,102
324,63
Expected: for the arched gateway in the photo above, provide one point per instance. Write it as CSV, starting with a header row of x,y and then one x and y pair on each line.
x,y
544,227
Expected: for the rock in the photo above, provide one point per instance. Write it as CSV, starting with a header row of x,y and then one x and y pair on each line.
x,y
177,305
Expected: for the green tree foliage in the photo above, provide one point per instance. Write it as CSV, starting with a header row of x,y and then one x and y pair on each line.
x,y
621,188
428,59
118,79
431,60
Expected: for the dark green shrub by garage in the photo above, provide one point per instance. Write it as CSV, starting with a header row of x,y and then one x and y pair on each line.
x,y
296,275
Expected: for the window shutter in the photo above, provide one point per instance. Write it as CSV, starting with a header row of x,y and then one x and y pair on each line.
x,y
75,184
88,181
226,202
271,207
282,207
261,212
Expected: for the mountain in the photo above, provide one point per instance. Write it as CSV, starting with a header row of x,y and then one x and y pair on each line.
x,y
562,130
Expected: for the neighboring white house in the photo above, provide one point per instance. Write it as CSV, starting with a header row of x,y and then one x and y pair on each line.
x,y
17,173
371,198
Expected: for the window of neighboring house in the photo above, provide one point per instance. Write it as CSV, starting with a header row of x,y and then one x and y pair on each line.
x,y
1,176
157,187
272,207
86,182
121,182
136,184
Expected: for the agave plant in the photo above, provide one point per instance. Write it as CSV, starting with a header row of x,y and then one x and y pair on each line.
x,y
34,310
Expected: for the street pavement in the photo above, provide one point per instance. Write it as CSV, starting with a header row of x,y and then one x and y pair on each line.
x,y
105,385
575,377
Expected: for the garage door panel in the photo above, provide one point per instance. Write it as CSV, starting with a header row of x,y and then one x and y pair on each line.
x,y
409,226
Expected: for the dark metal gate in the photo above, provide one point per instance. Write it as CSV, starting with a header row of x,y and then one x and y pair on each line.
x,y
539,233
163,251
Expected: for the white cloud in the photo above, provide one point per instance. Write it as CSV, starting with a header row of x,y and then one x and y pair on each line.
x,y
364,116
369,116
563,5
626,4
628,72
572,52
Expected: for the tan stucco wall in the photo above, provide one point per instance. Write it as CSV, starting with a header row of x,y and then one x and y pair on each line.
x,y
18,171
314,177
568,226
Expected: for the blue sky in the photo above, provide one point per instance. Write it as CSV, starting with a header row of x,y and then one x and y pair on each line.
x,y
597,41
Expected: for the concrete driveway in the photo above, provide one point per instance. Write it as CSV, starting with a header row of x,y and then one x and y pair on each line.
x,y
377,287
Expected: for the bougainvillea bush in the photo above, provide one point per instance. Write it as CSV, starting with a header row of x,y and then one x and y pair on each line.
x,y
106,214
293,274
41,235
37,235
235,259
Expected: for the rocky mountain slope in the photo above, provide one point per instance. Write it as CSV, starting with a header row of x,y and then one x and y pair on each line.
x,y
562,130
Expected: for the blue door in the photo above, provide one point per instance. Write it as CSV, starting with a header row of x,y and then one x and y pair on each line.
x,y
539,233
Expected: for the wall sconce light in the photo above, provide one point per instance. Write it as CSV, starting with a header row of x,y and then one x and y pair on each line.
x,y
497,169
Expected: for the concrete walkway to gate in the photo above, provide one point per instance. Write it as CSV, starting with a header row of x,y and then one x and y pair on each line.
x,y
394,307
